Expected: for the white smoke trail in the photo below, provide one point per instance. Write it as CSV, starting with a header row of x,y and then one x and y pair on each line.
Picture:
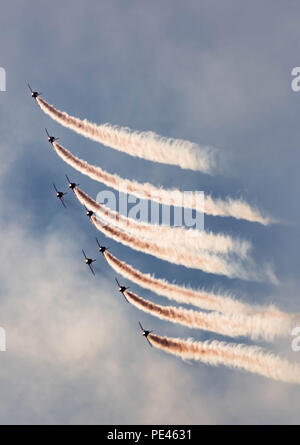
x,y
184,239
146,145
248,358
234,325
268,322
207,263
236,209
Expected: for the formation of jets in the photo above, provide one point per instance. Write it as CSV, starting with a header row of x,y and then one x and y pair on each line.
x,y
60,195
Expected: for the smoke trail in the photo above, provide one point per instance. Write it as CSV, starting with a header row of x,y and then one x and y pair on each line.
x,y
234,325
268,321
181,294
184,239
236,209
207,263
248,358
146,145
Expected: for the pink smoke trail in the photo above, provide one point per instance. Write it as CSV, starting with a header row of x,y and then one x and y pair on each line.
x,y
236,209
207,263
248,358
234,325
183,239
267,322
146,145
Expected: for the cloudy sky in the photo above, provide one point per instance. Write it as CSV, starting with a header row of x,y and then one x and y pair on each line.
x,y
216,73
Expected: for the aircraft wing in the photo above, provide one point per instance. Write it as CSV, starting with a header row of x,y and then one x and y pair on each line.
x,y
61,200
92,270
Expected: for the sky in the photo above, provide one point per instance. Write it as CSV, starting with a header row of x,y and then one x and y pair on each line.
x,y
215,73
